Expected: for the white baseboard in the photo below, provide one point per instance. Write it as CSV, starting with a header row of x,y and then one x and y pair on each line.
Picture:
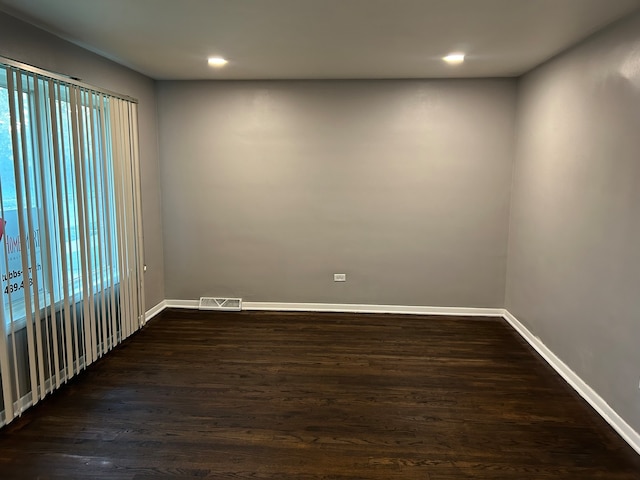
x,y
152,312
191,304
356,308
350,308
585,391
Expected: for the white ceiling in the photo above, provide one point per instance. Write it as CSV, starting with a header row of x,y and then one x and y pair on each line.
x,y
322,39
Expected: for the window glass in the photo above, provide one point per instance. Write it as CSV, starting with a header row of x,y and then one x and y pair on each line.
x,y
86,178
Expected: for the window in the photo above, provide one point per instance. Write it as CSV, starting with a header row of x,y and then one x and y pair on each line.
x,y
71,257
100,193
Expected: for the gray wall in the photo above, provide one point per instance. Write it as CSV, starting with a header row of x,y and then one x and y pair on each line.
x,y
271,187
31,45
574,249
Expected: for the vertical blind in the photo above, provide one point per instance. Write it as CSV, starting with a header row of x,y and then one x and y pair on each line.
x,y
70,230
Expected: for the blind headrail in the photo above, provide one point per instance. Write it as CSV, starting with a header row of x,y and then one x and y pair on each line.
x,y
9,62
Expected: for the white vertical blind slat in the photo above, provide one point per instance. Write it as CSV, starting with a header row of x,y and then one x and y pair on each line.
x,y
31,284
121,212
18,137
97,238
72,217
58,151
120,226
139,243
89,218
48,235
135,318
127,217
108,201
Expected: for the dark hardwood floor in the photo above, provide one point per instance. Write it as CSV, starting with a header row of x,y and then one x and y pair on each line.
x,y
316,396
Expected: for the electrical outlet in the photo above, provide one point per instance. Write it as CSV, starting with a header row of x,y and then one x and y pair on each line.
x,y
339,277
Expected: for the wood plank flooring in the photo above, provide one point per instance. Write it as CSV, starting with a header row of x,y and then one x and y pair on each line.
x,y
316,396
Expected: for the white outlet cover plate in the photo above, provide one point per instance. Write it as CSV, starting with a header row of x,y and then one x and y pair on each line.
x,y
339,277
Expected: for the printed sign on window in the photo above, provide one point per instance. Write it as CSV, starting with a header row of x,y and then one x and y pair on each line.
x,y
14,279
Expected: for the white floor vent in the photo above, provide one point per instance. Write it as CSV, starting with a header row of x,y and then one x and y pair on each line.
x,y
212,303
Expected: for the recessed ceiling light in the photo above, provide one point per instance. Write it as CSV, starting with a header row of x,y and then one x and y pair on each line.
x,y
217,61
454,58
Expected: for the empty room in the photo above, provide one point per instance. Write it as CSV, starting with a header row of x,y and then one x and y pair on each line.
x,y
320,239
